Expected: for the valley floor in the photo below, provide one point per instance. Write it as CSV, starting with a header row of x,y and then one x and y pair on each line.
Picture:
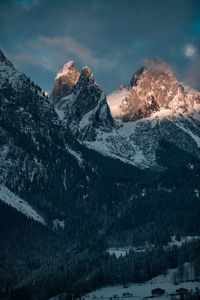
x,y
139,291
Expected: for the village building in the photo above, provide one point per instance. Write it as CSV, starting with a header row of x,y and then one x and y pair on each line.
x,y
157,292
182,291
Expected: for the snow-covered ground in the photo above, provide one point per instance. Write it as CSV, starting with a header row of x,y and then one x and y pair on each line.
x,y
144,289
58,224
183,240
114,101
77,155
121,251
17,203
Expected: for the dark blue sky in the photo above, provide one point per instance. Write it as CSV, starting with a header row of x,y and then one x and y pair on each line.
x,y
113,37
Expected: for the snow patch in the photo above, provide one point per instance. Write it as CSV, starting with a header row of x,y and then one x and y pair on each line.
x,y
114,101
65,69
193,136
141,290
20,205
58,224
77,155
175,242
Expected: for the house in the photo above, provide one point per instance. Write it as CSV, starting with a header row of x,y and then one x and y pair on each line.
x,y
182,291
157,292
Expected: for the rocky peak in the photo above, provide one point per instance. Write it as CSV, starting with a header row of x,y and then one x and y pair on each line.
x,y
153,68
64,81
8,75
2,57
4,62
154,87
66,69
86,78
85,110
86,72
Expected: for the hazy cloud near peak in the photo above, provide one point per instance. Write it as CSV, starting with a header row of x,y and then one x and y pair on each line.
x,y
189,50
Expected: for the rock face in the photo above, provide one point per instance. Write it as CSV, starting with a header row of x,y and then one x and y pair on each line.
x,y
65,79
154,108
85,110
91,200
154,87
32,142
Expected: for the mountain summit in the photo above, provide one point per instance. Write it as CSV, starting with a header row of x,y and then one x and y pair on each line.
x,y
153,88
85,110
64,81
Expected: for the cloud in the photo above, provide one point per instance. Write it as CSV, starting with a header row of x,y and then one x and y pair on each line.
x,y
189,50
113,37
52,53
68,46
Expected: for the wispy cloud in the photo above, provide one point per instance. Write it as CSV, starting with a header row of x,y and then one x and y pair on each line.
x,y
189,50
52,52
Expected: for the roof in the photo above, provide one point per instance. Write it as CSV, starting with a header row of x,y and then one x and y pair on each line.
x,y
158,290
182,290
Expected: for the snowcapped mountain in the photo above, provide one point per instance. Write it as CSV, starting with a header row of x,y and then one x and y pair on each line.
x,y
33,142
49,172
152,88
85,110
154,108
65,79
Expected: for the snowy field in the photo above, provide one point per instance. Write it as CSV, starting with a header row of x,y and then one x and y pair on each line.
x,y
122,251
19,204
144,290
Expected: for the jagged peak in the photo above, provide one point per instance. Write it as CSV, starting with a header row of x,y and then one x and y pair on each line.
x,y
4,61
86,72
66,69
153,66
2,56
156,64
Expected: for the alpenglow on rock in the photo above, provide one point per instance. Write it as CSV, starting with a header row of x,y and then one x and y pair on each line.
x,y
64,81
85,110
152,88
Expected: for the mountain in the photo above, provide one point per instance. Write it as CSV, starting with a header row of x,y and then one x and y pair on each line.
x,y
65,79
154,108
64,204
85,110
154,87
35,149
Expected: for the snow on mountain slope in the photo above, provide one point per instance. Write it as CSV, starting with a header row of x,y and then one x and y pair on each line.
x,y
17,203
114,100
138,141
75,154
85,110
142,290
154,108
122,251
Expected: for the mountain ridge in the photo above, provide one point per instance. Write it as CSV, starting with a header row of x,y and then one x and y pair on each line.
x,y
142,114
89,201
